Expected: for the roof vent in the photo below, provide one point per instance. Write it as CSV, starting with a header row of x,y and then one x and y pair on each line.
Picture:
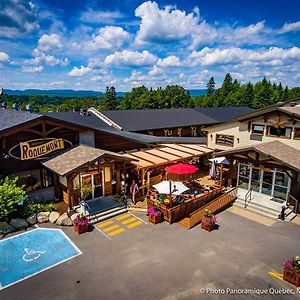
x,y
280,104
84,112
293,104
29,108
16,106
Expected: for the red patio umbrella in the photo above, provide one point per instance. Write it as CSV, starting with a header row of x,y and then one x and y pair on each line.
x,y
182,169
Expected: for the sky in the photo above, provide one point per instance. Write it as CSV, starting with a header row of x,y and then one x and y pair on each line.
x,y
88,45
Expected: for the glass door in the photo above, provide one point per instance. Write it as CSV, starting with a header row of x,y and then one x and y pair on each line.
x,y
281,186
97,184
86,186
267,182
255,179
244,176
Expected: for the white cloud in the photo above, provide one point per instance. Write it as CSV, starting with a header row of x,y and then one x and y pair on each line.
x,y
42,58
33,69
103,17
4,57
170,61
50,42
155,71
109,37
130,58
17,18
210,56
79,72
163,25
288,27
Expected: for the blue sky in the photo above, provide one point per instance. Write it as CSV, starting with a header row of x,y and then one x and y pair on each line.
x,y
75,44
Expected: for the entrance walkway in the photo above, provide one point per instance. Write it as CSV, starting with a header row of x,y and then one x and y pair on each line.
x,y
261,199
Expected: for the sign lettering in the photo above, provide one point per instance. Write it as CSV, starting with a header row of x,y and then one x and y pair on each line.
x,y
28,152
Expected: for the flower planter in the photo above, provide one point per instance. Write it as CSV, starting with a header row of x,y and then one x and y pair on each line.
x,y
155,219
292,277
81,228
208,226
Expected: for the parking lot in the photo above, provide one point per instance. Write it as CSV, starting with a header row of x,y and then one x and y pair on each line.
x,y
166,261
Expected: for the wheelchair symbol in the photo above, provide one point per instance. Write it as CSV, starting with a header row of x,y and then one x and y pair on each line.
x,y
31,255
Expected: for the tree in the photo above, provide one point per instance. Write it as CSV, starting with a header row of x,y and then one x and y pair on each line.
x,y
10,195
210,86
249,95
110,99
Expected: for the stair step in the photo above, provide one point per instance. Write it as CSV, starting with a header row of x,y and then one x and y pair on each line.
x,y
263,212
107,215
258,206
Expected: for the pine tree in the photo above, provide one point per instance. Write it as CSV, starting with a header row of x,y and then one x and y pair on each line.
x,y
210,86
110,99
249,95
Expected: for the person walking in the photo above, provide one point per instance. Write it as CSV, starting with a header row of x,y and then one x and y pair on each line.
x,y
134,189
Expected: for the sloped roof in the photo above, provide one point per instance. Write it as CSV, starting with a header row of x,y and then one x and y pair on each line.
x,y
10,118
147,119
276,150
69,161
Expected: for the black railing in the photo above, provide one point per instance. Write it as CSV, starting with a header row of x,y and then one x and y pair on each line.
x,y
248,197
292,201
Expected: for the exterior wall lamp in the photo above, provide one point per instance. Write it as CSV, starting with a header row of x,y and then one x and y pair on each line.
x,y
238,140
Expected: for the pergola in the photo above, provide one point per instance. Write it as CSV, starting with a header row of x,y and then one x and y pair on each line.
x,y
164,154
81,159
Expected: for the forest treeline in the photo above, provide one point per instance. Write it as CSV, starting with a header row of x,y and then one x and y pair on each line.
x,y
231,93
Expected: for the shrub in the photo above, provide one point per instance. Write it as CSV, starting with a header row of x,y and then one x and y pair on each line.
x,y
10,195
33,207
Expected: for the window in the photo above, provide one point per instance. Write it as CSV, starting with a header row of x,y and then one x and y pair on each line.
x,y
226,140
297,133
258,129
280,132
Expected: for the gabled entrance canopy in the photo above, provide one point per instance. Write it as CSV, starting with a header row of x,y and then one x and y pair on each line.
x,y
78,157
272,153
73,162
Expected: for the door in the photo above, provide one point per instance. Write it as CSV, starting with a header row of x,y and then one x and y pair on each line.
x,y
267,182
255,179
93,183
97,188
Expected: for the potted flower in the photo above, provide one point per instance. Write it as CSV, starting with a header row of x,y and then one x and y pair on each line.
x,y
208,221
81,223
291,271
154,214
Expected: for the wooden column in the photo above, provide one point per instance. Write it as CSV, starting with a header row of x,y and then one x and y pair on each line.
x,y
143,181
118,180
56,186
231,172
70,187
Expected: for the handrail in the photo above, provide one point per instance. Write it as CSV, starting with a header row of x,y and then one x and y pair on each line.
x,y
248,195
296,201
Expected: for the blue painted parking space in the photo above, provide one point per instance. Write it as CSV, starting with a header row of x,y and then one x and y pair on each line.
x,y
32,252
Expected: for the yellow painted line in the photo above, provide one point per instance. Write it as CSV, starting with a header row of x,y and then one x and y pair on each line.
x,y
129,220
280,277
116,232
110,228
101,225
123,217
134,224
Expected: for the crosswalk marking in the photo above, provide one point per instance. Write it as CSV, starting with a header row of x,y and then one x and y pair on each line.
x,y
116,232
129,221
134,224
101,225
110,228
123,217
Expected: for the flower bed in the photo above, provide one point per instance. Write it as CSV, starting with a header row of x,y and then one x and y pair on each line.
x,y
81,224
208,221
291,271
154,214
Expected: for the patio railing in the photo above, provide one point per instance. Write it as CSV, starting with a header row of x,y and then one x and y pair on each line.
x,y
214,206
180,211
